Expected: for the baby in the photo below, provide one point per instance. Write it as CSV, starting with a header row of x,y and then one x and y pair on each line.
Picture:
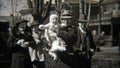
x,y
51,35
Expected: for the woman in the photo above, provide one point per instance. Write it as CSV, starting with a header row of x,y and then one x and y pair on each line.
x,y
23,39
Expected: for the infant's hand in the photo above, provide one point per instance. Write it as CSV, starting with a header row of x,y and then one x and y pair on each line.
x,y
40,26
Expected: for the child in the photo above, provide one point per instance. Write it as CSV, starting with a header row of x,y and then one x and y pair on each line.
x,y
51,35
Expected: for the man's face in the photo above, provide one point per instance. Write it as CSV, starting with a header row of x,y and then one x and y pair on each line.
x,y
66,21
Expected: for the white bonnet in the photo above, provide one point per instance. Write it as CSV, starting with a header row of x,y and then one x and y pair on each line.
x,y
53,16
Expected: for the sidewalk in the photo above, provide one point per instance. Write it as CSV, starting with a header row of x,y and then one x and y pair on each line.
x,y
114,49
108,57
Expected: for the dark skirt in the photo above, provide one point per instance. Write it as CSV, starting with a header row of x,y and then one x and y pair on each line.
x,y
20,60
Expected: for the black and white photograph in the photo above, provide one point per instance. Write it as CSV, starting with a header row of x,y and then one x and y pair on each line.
x,y
59,33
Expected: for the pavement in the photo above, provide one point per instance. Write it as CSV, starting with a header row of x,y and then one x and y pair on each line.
x,y
108,53
107,57
114,49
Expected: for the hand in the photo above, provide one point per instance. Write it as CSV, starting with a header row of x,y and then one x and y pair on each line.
x,y
40,26
20,42
92,52
26,44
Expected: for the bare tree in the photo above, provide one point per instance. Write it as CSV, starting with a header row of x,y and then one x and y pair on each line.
x,y
40,11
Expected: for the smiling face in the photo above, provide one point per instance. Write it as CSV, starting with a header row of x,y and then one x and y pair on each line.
x,y
54,18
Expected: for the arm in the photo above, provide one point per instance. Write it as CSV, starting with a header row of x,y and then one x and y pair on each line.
x,y
44,26
47,35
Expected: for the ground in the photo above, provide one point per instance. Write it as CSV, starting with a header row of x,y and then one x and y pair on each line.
x,y
108,57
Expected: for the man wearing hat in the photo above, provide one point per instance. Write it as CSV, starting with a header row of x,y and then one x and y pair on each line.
x,y
68,33
67,27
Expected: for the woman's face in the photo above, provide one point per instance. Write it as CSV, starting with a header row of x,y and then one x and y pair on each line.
x,y
22,26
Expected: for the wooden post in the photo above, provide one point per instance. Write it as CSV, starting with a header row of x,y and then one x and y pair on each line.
x,y
85,9
100,21
81,16
88,16
88,21
13,11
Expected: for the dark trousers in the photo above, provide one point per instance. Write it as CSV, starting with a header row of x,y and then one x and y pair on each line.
x,y
19,60
37,64
84,62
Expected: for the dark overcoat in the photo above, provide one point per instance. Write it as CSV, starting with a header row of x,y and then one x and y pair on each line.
x,y
20,55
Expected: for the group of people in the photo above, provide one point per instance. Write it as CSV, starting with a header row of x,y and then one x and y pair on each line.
x,y
57,44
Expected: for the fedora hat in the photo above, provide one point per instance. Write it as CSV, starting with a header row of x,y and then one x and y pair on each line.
x,y
66,14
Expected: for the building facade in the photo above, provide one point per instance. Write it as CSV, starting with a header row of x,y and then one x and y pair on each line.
x,y
108,20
